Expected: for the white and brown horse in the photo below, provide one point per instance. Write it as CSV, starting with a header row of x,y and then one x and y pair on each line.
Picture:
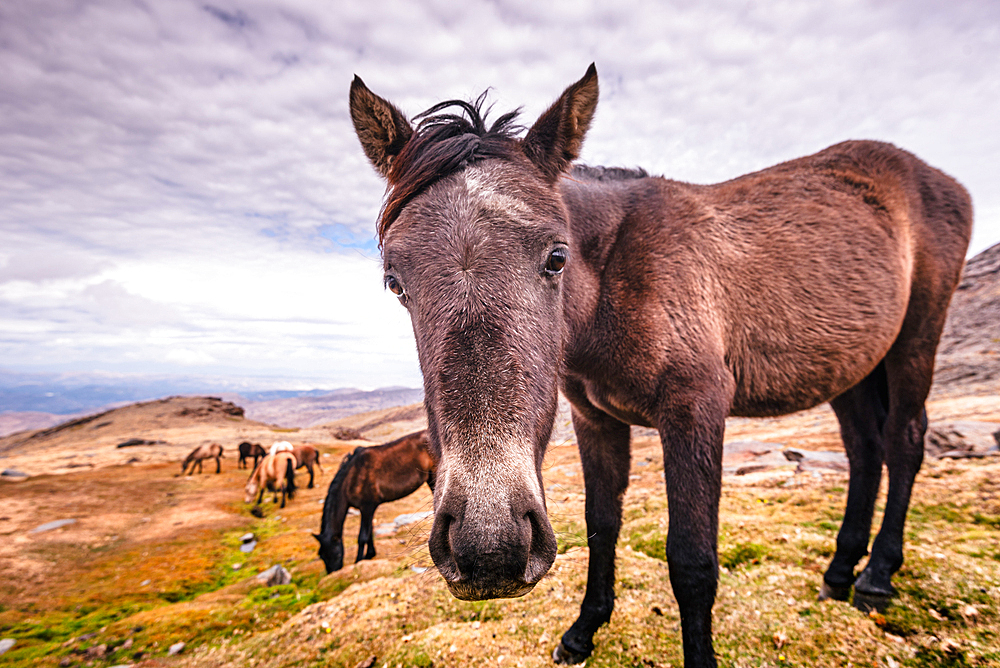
x,y
275,472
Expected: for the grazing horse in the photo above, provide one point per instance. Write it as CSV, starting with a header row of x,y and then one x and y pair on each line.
x,y
657,303
247,450
200,454
368,477
307,455
276,471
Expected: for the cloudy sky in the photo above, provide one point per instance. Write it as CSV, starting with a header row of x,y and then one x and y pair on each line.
x,y
181,191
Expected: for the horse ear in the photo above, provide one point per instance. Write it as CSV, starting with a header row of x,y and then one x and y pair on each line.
x,y
555,140
381,127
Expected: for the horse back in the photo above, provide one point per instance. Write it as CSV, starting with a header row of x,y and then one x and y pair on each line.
x,y
793,281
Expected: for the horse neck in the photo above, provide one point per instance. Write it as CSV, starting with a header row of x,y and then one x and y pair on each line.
x,y
335,505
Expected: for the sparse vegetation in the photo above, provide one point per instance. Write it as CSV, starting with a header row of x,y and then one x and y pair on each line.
x,y
775,541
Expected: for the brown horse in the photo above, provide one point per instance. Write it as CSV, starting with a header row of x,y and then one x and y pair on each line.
x,y
247,450
368,477
306,455
200,454
657,303
276,472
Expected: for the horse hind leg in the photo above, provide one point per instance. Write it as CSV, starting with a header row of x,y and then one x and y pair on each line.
x,y
862,413
310,467
909,369
218,465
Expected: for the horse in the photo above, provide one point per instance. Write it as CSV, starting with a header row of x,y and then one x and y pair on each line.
x,y
200,454
307,455
276,471
660,303
367,477
247,450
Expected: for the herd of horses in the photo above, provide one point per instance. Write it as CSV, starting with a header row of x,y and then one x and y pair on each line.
x,y
367,478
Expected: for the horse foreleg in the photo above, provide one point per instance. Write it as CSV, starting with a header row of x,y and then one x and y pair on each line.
x,y
366,534
310,467
604,445
691,432
218,465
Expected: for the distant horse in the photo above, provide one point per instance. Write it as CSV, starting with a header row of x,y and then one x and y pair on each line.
x,y
276,472
247,450
200,454
368,477
307,455
656,303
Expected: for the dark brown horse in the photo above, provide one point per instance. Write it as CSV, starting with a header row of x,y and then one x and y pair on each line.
x,y
367,478
199,455
247,450
657,303
307,455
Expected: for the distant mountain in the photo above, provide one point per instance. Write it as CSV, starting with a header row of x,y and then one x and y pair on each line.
x,y
37,401
308,411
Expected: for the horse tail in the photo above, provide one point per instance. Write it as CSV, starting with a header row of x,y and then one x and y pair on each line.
x,y
290,477
334,499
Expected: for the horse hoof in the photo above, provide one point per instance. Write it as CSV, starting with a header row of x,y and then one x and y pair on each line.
x,y
562,654
828,591
869,602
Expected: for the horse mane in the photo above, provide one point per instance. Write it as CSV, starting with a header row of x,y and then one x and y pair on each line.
x,y
589,173
333,493
442,144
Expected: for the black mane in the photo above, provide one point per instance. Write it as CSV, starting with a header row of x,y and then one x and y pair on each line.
x,y
442,144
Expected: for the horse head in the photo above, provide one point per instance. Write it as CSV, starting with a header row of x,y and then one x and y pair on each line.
x,y
475,239
331,551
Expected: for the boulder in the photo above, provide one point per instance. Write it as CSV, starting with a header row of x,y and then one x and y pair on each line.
x,y
6,644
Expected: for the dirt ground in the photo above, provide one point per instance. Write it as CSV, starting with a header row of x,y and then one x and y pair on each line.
x,y
153,559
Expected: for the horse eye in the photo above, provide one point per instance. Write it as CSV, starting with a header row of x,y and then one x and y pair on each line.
x,y
556,262
394,285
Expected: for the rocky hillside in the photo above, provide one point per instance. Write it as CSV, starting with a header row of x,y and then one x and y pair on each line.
x,y
969,353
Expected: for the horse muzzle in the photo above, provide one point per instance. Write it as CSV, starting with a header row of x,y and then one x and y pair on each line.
x,y
487,550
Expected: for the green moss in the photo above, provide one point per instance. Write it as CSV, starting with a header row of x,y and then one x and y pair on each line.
x,y
743,553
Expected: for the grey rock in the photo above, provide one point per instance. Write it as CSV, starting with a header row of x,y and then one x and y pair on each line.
x,y
811,460
176,648
13,473
275,575
411,518
248,547
49,526
962,439
6,644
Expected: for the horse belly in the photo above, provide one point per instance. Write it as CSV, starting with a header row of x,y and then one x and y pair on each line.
x,y
776,380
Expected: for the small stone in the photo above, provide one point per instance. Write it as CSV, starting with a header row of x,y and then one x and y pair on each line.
x,y
6,644
55,524
126,645
237,567
97,651
275,575
248,547
65,662
246,538
144,583
366,663
176,648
